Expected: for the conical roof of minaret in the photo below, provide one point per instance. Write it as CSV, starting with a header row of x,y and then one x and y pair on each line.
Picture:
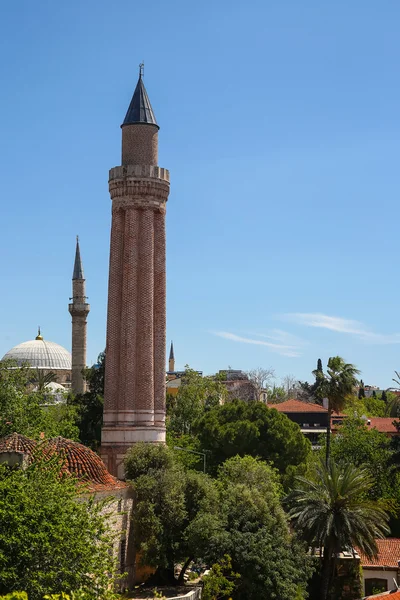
x,y
78,268
171,352
140,110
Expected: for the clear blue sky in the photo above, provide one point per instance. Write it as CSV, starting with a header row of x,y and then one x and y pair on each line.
x,y
280,126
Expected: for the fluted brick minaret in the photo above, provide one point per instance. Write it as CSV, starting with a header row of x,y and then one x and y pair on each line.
x,y
79,310
134,397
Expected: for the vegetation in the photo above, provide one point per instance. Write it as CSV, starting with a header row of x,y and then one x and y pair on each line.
x,y
31,413
336,384
220,582
176,510
332,511
49,540
89,406
195,396
250,428
182,516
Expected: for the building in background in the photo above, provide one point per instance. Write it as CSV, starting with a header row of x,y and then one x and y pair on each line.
x,y
45,356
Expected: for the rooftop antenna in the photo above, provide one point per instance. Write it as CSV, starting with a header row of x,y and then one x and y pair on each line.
x,y
141,69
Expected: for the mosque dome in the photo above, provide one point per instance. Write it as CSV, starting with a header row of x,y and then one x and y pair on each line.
x,y
41,354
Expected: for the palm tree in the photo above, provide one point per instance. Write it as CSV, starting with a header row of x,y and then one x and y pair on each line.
x,y
337,383
331,511
42,379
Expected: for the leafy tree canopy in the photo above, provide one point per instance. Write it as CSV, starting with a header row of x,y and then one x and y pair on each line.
x,y
176,510
372,450
31,413
251,428
183,515
196,395
89,405
50,540
332,511
271,564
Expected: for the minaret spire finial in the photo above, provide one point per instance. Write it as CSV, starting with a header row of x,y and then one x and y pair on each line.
x,y
141,69
78,268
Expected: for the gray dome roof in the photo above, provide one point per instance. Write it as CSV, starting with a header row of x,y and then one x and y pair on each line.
x,y
41,354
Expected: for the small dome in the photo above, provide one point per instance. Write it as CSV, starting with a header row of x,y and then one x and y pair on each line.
x,y
82,462
79,460
15,442
40,354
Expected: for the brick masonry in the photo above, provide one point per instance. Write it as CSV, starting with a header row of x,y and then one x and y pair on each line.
x,y
134,399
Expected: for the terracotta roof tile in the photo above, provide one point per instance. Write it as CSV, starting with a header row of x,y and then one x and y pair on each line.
x,y
385,596
382,424
388,554
80,460
17,443
297,406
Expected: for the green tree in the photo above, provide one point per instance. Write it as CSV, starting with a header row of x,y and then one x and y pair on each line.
x,y
196,395
384,396
361,390
90,404
177,511
368,407
276,394
240,428
220,582
336,384
271,564
31,413
52,538
369,449
332,512
42,379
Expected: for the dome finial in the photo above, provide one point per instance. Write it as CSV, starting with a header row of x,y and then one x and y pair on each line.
x,y
39,336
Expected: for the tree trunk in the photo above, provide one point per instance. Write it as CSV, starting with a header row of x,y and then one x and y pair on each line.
x,y
181,581
326,574
328,434
163,576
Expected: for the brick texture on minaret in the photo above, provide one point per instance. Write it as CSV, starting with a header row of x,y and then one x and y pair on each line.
x,y
79,310
134,396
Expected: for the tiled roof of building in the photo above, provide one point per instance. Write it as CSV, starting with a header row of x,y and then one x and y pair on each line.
x,y
17,443
85,464
394,595
383,424
297,406
388,554
80,460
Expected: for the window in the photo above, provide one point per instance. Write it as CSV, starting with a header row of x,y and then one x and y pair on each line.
x,y
375,586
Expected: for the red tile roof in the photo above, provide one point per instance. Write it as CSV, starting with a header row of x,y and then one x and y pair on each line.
x,y
79,460
385,596
17,443
388,554
297,406
383,424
